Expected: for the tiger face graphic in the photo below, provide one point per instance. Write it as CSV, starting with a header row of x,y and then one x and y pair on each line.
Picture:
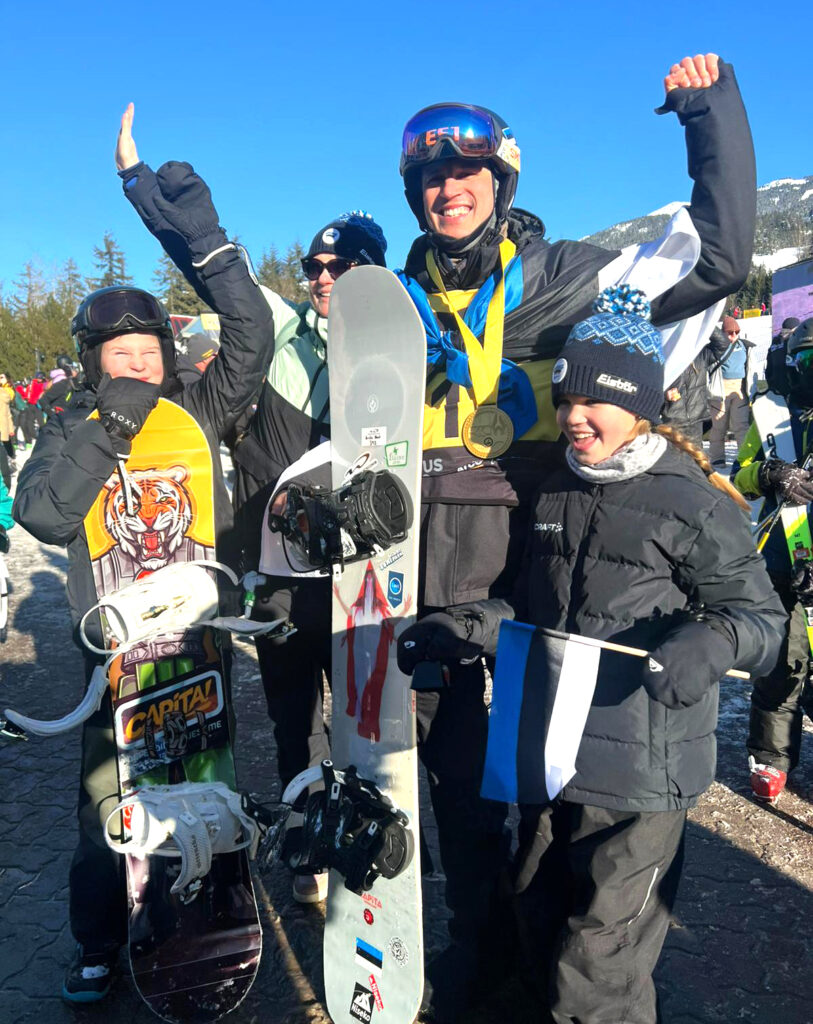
x,y
152,536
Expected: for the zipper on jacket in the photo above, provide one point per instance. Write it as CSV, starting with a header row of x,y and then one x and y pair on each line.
x,y
581,554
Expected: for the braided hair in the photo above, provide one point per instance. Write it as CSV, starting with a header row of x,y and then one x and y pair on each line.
x,y
699,456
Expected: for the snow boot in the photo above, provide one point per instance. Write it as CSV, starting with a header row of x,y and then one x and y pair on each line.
x,y
90,975
767,782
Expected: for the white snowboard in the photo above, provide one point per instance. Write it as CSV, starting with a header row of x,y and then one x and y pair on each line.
x,y
373,946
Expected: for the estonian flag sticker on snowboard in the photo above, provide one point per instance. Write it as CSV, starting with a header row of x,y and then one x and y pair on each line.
x,y
368,956
362,1006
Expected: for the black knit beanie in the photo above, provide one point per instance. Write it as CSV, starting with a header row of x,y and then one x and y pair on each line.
x,y
354,236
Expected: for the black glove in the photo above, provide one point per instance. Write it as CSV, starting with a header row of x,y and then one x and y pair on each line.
x,y
802,582
3,541
438,637
692,657
789,483
124,403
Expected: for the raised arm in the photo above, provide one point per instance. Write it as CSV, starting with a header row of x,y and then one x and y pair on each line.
x,y
176,206
703,92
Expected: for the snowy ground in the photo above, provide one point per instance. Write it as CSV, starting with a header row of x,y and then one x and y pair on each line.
x,y
739,948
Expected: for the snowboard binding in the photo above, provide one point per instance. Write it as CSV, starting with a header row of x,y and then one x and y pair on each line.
x,y
188,822
350,826
369,513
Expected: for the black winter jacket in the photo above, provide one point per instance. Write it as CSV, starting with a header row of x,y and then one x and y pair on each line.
x,y
622,561
74,456
694,406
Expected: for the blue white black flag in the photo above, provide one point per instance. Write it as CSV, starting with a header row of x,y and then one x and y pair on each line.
x,y
542,690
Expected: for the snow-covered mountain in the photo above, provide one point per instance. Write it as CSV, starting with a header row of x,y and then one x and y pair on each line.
x,y
784,231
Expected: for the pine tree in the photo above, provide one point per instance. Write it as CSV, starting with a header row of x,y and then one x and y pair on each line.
x,y
269,272
110,263
284,276
755,290
30,289
175,291
70,286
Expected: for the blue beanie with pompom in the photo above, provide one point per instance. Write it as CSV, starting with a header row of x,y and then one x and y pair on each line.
x,y
614,356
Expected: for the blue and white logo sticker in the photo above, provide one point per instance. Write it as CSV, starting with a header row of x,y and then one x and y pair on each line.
x,y
559,371
395,588
331,235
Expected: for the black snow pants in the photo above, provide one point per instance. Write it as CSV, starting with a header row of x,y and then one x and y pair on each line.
x,y
98,894
779,699
594,891
292,676
474,843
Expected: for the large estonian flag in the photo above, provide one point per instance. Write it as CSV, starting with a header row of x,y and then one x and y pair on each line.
x,y
542,689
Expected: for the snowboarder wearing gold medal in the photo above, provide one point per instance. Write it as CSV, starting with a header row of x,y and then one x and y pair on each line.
x,y
498,302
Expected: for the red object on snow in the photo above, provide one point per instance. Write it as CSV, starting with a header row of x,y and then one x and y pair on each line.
x,y
767,782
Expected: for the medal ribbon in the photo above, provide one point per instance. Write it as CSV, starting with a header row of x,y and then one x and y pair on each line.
x,y
485,360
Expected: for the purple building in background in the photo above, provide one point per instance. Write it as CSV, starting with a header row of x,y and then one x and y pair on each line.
x,y
793,292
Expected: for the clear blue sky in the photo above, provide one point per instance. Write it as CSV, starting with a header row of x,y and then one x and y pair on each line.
x,y
293,111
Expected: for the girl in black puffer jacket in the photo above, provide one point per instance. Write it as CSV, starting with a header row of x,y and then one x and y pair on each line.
x,y
634,541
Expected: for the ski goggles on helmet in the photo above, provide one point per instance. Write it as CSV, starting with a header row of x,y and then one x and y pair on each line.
x,y
449,129
119,309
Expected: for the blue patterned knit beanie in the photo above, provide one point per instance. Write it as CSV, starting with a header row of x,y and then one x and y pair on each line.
x,y
614,356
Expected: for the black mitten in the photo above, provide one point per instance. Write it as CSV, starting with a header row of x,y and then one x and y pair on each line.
x,y
123,404
186,204
3,541
690,659
789,483
437,637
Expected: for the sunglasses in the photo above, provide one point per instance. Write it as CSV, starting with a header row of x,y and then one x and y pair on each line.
x,y
313,268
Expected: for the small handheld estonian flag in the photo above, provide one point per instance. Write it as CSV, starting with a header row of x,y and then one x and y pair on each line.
x,y
543,687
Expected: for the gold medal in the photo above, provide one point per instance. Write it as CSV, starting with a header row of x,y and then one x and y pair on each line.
x,y
488,432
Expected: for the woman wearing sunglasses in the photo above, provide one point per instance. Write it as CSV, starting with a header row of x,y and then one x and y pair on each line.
x,y
780,699
498,301
124,341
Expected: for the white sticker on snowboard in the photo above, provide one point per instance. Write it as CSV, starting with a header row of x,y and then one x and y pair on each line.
x,y
373,437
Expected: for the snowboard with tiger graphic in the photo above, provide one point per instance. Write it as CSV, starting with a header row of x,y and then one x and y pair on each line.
x,y
194,955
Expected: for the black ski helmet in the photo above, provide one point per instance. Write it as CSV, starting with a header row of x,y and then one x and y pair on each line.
x,y
799,359
460,131
119,309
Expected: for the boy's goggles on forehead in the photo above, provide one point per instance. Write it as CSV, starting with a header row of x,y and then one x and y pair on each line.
x,y
111,311
441,131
